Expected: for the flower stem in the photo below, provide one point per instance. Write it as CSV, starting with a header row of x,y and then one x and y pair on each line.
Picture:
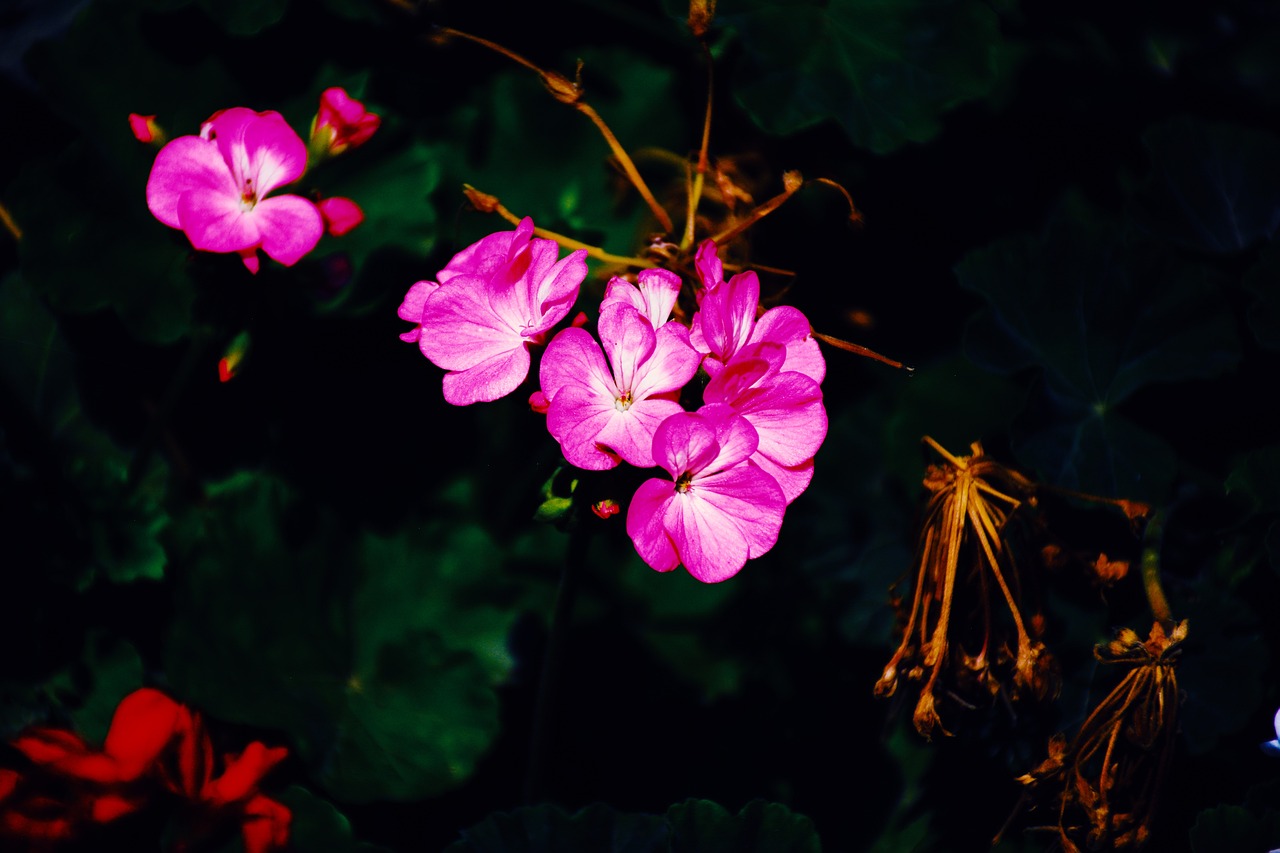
x,y
1151,569
535,780
700,173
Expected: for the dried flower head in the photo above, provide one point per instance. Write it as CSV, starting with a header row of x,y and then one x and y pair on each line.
x,y
965,580
1107,781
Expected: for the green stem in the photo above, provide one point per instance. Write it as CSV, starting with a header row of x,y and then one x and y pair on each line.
x,y
1151,569
535,780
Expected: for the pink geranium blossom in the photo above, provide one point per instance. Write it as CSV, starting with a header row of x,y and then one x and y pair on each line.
x,y
214,188
493,300
785,408
342,122
718,510
600,412
726,321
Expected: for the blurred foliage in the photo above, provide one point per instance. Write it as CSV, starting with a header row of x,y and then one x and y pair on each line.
x,y
698,825
1069,218
886,71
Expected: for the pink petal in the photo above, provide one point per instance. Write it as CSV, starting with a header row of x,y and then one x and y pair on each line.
x,y
645,524
483,257
187,163
736,439
672,364
784,408
684,442
259,147
725,320
340,214
628,340
630,433
489,380
653,295
792,480
291,226
460,328
576,419
216,222
726,519
707,262
411,308
574,358
787,325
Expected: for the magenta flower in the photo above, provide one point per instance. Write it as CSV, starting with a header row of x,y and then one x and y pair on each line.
x,y
726,321
600,412
493,300
718,510
785,408
342,122
214,188
653,295
340,214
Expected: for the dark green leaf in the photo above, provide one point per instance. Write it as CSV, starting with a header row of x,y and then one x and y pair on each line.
x,y
886,70
1214,187
1264,313
1255,479
701,826
391,648
116,671
1234,828
547,829
318,827
1101,318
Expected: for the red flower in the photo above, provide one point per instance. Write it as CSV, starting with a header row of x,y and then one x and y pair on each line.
x,y
153,744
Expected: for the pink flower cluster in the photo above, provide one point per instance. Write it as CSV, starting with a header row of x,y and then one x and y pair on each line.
x,y
733,465
215,187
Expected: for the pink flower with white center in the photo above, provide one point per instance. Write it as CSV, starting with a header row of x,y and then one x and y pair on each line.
x,y
718,510
342,122
653,295
726,321
214,188
785,408
602,412
411,308
494,300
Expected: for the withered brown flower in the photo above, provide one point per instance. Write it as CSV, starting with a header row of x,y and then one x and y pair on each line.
x,y
966,580
1107,781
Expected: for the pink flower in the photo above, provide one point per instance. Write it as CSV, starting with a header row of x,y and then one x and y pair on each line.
x,y
653,295
493,300
718,510
785,408
342,122
340,214
726,321
214,187
602,412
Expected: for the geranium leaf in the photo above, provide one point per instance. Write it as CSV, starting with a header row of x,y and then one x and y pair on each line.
x,y
317,827
1214,187
886,70
388,649
548,829
760,826
1102,317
